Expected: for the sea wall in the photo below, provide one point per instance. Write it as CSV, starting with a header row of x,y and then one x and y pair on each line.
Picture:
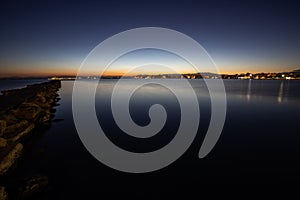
x,y
22,113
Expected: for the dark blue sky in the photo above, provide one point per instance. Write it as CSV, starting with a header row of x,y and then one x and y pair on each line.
x,y
45,37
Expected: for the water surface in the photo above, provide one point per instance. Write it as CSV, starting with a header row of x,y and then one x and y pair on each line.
x,y
259,143
8,84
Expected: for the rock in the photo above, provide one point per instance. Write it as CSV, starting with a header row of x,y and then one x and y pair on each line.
x,y
51,101
28,111
17,127
41,97
32,187
9,118
41,100
3,142
2,127
46,105
45,117
3,193
9,92
21,134
7,161
22,110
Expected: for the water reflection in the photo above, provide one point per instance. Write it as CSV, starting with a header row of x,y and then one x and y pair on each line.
x,y
249,90
280,93
253,91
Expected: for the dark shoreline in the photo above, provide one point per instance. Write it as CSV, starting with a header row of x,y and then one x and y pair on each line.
x,y
24,113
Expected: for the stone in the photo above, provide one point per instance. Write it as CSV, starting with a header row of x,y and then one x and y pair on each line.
x,y
17,126
21,134
28,111
3,142
2,127
8,160
32,187
21,111
3,193
41,97
41,100
9,118
45,117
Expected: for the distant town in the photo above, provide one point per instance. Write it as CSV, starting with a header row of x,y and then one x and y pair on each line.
x,y
294,75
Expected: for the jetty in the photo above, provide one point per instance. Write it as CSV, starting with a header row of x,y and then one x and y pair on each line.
x,y
23,112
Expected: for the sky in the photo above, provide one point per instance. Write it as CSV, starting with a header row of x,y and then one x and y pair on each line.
x,y
150,61
54,37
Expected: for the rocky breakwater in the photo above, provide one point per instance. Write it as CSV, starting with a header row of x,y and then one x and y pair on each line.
x,y
22,113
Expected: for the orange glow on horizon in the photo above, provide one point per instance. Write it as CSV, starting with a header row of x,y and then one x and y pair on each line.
x,y
62,71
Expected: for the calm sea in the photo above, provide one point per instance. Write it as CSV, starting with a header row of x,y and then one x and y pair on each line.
x,y
18,83
260,142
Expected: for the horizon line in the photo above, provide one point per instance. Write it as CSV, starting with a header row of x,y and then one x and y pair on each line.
x,y
120,74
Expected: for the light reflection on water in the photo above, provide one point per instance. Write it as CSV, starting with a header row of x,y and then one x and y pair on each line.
x,y
280,93
267,91
235,89
249,90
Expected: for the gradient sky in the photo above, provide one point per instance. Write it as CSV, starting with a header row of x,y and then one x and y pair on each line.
x,y
53,37
150,61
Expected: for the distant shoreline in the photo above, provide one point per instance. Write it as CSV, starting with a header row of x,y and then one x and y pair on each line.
x,y
73,79
293,75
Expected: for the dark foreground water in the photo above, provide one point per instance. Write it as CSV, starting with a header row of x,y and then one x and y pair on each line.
x,y
260,144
